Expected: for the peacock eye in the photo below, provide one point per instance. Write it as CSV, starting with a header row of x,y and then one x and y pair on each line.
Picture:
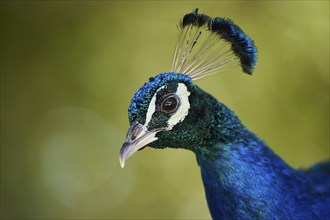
x,y
170,104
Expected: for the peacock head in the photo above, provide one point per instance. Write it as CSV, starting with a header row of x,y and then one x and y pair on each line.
x,y
160,114
170,110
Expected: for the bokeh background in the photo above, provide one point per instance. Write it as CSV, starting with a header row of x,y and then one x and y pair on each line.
x,y
70,68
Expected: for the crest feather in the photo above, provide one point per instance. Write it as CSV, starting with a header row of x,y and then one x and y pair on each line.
x,y
209,45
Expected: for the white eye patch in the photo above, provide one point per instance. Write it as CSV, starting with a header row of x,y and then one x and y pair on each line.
x,y
152,107
183,94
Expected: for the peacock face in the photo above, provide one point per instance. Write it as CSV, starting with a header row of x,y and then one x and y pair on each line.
x,y
155,112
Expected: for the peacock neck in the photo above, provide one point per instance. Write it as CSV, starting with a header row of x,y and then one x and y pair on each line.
x,y
240,172
241,179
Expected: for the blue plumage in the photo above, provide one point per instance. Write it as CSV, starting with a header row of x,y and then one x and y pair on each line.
x,y
243,178
247,180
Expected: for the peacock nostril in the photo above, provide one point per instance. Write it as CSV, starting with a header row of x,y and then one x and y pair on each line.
x,y
135,132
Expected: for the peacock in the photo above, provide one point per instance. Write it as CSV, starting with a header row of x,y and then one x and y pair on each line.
x,y
243,178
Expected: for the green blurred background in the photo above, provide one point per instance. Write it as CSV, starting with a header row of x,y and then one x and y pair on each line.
x,y
70,68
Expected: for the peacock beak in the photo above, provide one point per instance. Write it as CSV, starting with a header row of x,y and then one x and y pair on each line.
x,y
137,137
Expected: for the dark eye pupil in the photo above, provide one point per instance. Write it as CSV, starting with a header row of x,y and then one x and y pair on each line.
x,y
170,104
